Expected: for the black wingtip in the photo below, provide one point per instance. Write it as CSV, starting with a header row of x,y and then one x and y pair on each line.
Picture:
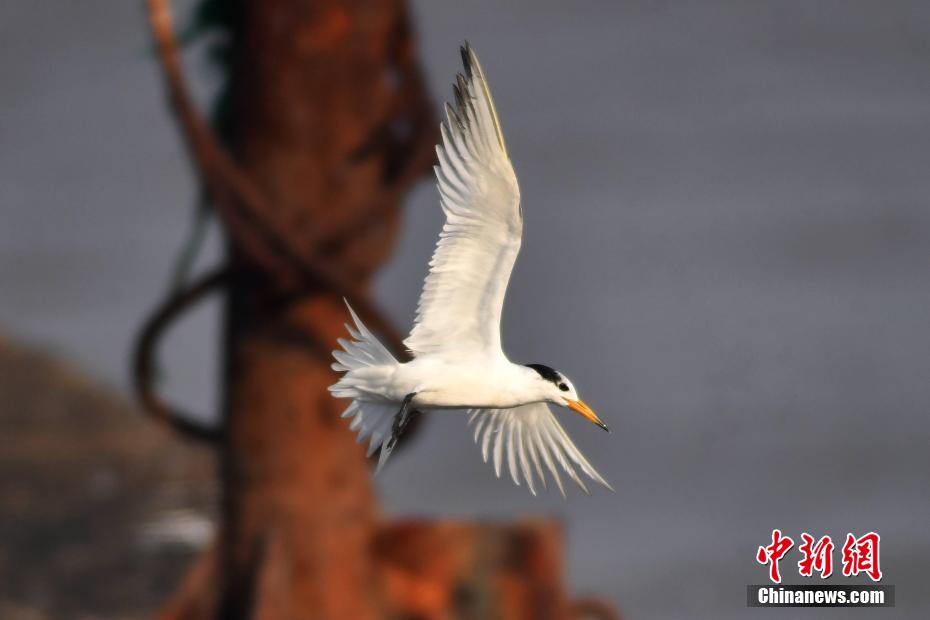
x,y
466,57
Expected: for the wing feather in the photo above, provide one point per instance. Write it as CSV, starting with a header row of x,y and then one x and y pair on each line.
x,y
534,456
512,450
524,461
547,457
463,295
486,441
498,444
528,437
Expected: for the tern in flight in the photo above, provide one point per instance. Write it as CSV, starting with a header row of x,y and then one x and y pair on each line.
x,y
458,363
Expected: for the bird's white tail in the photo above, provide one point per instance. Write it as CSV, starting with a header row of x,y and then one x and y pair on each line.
x,y
365,363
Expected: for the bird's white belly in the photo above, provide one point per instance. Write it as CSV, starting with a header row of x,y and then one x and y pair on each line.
x,y
441,385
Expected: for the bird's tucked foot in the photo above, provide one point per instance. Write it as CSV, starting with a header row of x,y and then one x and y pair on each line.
x,y
401,419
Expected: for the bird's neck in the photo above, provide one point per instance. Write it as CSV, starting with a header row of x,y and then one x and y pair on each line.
x,y
517,385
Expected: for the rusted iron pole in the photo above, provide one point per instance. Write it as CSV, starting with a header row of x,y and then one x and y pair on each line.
x,y
330,121
330,127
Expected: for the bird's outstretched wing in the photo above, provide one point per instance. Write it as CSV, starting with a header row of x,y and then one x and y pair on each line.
x,y
531,441
460,306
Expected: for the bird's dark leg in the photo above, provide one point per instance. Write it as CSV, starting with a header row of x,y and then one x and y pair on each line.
x,y
401,418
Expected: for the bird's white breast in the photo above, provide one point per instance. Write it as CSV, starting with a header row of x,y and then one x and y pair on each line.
x,y
464,383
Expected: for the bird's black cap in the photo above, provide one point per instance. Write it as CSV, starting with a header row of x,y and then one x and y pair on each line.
x,y
546,372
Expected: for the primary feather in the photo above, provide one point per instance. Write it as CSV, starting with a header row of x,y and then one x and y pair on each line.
x,y
520,435
463,295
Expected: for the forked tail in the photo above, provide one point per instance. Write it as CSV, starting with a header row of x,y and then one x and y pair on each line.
x,y
366,364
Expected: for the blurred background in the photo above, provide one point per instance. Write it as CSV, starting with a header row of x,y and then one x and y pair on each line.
x,y
726,247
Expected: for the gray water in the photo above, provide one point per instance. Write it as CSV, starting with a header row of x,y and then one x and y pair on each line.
x,y
726,248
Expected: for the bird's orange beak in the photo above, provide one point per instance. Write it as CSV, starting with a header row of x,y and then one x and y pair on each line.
x,y
587,412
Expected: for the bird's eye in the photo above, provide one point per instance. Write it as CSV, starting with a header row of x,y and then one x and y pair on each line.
x,y
563,387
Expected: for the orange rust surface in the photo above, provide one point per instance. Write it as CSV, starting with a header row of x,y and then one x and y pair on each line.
x,y
470,571
309,90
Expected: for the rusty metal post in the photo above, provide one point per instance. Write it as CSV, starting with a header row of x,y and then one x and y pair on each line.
x,y
329,115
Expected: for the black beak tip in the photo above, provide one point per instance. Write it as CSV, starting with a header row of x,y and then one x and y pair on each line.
x,y
604,426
